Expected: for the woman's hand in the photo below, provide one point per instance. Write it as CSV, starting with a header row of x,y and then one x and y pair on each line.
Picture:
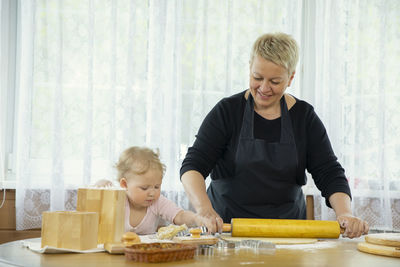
x,y
210,219
103,183
195,188
192,219
353,226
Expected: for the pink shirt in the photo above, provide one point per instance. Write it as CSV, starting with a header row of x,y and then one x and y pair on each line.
x,y
162,208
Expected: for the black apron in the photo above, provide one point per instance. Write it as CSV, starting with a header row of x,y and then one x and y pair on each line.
x,y
264,181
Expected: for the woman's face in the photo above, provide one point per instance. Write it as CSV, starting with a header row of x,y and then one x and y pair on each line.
x,y
144,189
268,82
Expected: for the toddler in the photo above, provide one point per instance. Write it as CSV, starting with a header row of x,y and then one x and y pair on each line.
x,y
140,172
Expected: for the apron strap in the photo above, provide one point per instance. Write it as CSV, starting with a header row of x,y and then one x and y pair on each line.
x,y
247,131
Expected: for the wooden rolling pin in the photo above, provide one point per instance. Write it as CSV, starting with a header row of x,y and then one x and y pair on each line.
x,y
240,227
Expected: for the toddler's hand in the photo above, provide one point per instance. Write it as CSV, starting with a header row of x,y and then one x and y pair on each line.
x,y
103,183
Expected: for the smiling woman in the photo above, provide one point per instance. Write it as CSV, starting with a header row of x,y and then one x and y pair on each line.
x,y
268,83
273,63
257,165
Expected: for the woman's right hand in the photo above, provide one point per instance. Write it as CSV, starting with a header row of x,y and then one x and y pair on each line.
x,y
195,188
211,219
103,183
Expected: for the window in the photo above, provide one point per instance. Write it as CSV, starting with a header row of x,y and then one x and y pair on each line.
x,y
94,77
110,74
8,38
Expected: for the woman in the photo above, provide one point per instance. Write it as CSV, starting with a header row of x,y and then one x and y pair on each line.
x,y
256,146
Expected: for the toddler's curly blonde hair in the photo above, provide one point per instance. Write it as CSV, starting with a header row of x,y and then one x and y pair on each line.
x,y
138,160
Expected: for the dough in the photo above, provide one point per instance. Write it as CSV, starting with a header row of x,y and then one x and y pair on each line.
x,y
195,232
130,238
386,239
275,240
168,232
378,249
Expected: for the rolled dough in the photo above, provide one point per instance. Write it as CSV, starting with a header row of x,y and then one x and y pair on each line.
x,y
385,239
275,240
378,249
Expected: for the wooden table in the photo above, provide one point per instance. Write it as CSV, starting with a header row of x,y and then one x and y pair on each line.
x,y
340,253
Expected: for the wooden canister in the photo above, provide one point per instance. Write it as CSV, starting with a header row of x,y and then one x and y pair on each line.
x,y
70,229
110,204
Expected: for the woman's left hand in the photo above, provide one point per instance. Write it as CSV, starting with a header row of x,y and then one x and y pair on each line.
x,y
353,226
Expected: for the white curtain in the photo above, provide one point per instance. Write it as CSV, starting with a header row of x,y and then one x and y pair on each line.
x,y
353,70
98,76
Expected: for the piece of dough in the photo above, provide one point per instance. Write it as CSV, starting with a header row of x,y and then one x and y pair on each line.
x,y
378,249
195,232
385,239
168,232
130,238
275,240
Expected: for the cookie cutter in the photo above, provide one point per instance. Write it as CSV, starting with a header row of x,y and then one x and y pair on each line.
x,y
205,250
257,246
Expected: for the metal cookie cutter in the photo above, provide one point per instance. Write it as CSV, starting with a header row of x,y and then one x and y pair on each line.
x,y
224,243
205,250
257,246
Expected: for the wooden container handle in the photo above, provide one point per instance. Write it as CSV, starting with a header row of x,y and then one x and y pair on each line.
x,y
226,228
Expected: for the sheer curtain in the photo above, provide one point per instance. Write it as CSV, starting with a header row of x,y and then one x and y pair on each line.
x,y
98,76
353,70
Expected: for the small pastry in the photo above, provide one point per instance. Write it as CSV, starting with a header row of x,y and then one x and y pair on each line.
x,y
195,232
130,238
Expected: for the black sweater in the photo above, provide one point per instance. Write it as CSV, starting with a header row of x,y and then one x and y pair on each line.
x,y
214,149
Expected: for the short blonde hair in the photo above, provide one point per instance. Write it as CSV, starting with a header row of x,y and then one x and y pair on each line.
x,y
138,160
279,48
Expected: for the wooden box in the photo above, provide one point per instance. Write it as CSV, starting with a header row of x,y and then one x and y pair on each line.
x,y
70,229
110,204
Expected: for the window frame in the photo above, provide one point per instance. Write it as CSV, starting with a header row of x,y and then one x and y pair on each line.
x,y
8,74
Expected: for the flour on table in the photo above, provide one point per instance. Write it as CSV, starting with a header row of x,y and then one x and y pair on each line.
x,y
317,245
